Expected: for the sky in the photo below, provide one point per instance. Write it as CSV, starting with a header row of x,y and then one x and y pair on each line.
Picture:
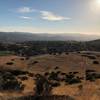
x,y
50,16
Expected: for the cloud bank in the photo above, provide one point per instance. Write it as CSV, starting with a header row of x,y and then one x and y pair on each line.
x,y
44,15
50,16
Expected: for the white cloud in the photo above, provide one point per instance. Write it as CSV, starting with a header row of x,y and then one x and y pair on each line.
x,y
45,15
52,17
26,17
25,10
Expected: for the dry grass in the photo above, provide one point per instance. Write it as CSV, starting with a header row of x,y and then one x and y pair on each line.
x,y
66,63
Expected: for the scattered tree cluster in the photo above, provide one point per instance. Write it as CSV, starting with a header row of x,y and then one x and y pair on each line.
x,y
9,82
92,75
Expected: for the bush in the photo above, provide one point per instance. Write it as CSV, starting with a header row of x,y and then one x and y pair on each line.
x,y
12,59
55,84
95,62
66,53
72,79
63,73
90,77
56,68
27,58
53,76
9,63
70,72
11,85
75,72
23,78
30,74
21,58
46,74
9,82
80,87
90,70
35,62
8,75
58,72
78,52
18,72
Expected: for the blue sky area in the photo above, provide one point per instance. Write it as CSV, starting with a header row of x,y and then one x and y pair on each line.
x,y
50,16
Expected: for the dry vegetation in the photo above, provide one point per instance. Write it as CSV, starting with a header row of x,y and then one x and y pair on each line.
x,y
62,64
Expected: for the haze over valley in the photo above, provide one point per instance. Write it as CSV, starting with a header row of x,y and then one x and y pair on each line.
x,y
22,36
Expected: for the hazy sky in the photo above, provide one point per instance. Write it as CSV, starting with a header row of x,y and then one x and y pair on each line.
x,y
50,16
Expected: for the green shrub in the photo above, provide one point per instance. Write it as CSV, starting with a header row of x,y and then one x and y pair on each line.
x,y
53,76
9,82
72,79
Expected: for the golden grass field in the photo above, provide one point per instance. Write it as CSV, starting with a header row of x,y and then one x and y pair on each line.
x,y
47,63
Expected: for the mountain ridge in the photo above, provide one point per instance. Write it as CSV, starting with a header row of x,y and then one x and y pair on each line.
x,y
25,36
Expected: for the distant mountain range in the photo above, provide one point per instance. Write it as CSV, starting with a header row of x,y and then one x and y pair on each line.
x,y
21,36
